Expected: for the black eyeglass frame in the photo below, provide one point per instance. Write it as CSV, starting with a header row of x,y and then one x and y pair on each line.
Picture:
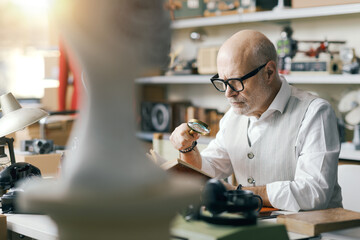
x,y
241,79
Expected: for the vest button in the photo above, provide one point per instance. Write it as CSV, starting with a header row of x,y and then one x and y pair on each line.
x,y
251,180
250,155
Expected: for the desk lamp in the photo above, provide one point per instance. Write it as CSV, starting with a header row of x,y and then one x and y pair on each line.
x,y
14,118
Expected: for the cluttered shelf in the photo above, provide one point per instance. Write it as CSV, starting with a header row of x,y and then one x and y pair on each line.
x,y
292,79
274,15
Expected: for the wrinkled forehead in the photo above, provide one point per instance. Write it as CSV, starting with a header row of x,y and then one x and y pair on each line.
x,y
234,60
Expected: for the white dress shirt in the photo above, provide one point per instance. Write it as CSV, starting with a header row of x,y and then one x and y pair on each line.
x,y
317,149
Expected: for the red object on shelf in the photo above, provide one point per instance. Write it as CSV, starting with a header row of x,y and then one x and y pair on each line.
x,y
66,64
315,52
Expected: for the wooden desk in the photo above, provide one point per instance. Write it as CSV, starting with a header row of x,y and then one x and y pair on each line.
x,y
42,227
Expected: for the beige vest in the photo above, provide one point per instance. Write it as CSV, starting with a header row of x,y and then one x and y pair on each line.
x,y
274,151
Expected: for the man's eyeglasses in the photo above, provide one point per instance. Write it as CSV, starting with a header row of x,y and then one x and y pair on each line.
x,y
236,84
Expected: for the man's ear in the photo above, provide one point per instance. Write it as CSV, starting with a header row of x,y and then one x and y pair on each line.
x,y
270,71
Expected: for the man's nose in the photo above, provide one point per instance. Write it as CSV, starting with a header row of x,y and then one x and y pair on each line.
x,y
229,92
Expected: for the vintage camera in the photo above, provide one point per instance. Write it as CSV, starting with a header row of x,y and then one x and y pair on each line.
x,y
37,146
156,116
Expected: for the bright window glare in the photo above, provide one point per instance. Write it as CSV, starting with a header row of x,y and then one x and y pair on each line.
x,y
27,74
33,5
28,37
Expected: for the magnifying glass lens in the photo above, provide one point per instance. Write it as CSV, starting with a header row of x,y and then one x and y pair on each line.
x,y
199,127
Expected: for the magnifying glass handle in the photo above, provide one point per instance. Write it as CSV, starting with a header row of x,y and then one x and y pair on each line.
x,y
191,132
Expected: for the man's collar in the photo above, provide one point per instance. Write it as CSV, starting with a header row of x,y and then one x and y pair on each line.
x,y
282,97
280,100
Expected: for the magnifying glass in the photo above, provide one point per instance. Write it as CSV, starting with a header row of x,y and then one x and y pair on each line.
x,y
197,126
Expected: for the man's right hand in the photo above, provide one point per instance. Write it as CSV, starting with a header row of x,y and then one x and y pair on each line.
x,y
181,137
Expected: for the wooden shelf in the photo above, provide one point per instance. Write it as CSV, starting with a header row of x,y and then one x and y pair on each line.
x,y
292,79
324,79
177,79
280,15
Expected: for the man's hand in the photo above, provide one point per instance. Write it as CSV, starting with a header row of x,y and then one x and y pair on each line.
x,y
261,191
181,137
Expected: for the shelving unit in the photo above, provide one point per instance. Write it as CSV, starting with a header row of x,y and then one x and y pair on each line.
x,y
286,14
281,16
292,79
264,16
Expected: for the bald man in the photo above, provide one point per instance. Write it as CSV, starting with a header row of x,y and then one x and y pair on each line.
x,y
280,142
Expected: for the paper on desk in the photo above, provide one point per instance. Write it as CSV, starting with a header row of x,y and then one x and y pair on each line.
x,y
155,157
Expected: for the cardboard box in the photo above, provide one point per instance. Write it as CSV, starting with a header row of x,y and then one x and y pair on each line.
x,y
50,100
319,3
206,59
186,8
51,66
49,164
3,227
219,8
153,93
59,132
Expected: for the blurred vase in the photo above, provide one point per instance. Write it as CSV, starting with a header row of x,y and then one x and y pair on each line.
x,y
108,189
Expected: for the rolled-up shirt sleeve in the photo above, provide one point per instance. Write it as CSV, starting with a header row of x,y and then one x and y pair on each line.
x,y
317,150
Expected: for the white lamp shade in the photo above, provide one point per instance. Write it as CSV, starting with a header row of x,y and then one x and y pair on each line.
x,y
15,117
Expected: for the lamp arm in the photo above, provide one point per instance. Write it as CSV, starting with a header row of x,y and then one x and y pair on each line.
x,y
10,143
